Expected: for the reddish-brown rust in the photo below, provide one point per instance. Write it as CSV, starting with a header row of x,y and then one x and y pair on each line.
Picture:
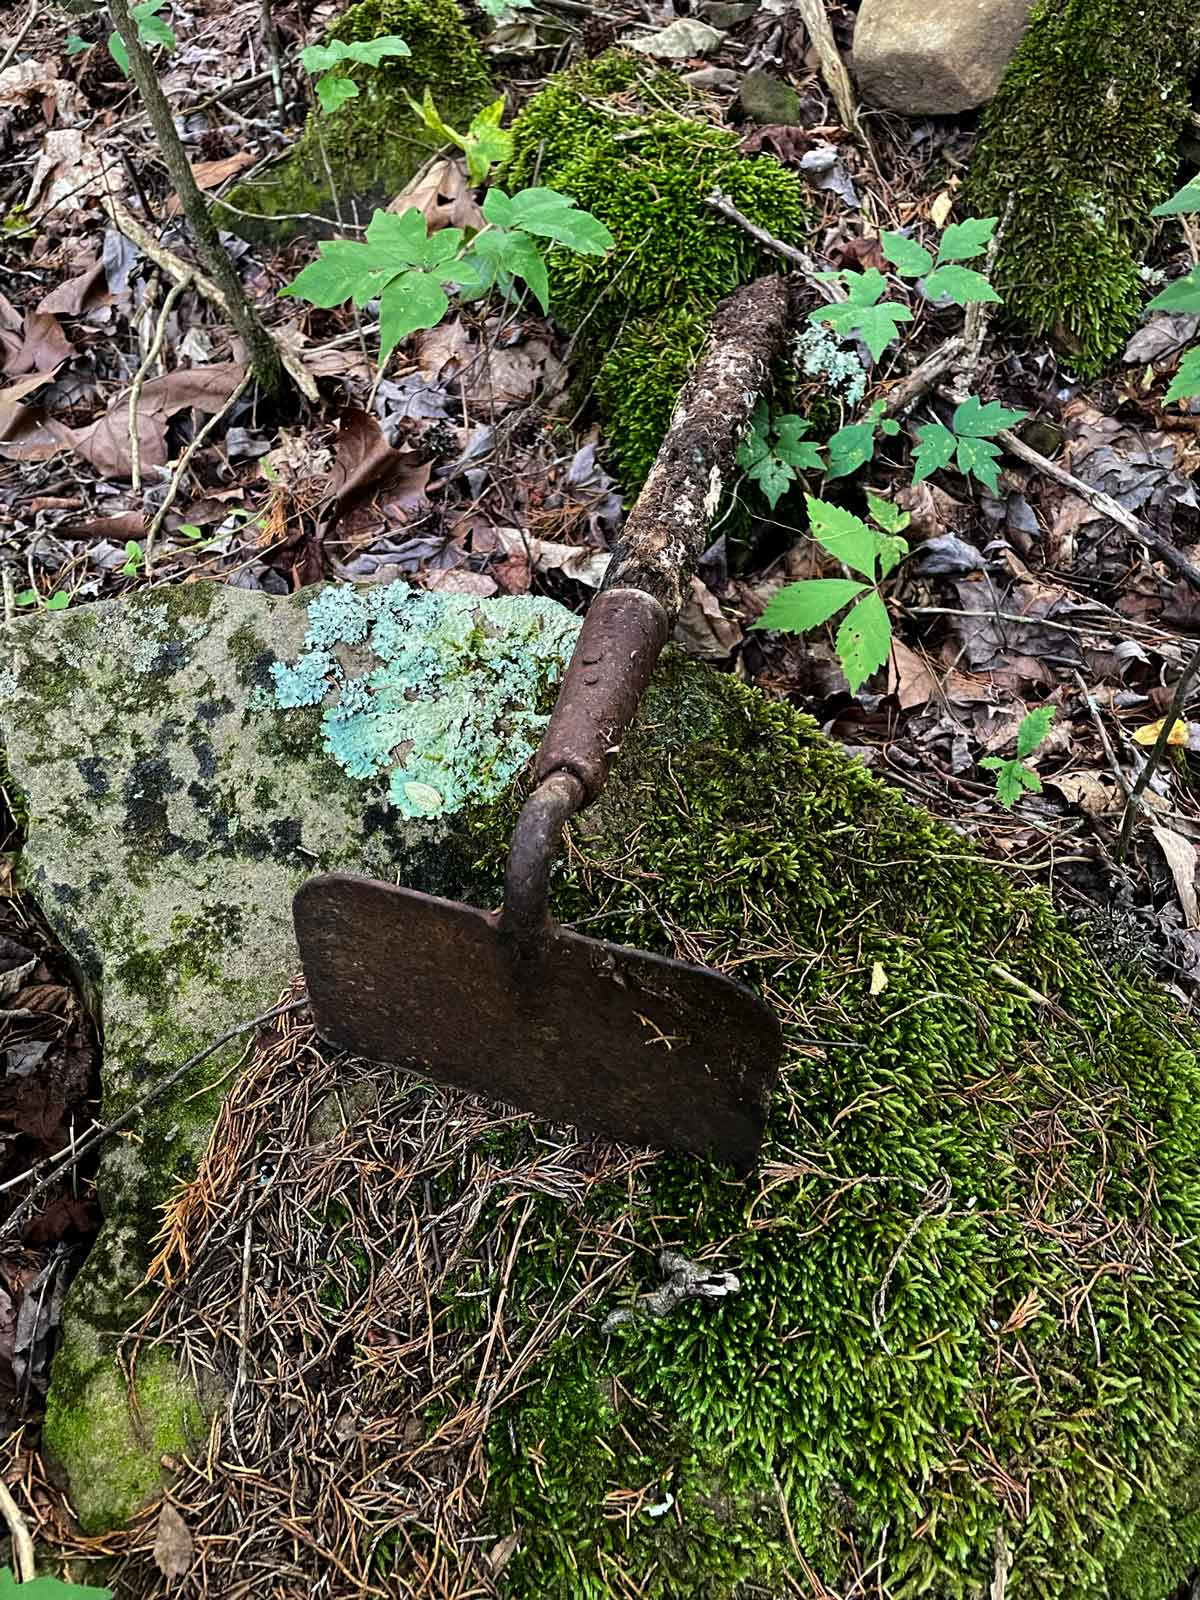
x,y
667,530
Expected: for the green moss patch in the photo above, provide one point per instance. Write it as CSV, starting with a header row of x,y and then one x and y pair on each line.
x,y
373,144
616,136
1081,141
968,1259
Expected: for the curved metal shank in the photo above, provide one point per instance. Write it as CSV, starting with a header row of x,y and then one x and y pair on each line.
x,y
524,916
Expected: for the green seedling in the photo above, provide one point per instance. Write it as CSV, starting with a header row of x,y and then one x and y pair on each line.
x,y
1014,777
774,453
968,440
854,445
485,144
59,601
151,30
334,88
133,559
864,637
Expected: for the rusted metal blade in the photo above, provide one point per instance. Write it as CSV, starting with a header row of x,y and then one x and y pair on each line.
x,y
617,1041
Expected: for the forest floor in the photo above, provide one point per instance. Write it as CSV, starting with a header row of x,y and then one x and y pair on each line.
x,y
475,470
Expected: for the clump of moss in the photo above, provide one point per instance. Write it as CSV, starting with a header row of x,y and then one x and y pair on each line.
x,y
614,135
1081,142
969,1259
372,144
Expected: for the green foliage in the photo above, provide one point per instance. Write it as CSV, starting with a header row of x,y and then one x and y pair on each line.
x,y
134,557
1080,141
944,280
47,1589
334,88
485,143
1182,295
969,438
927,1151
862,314
404,266
1013,777
58,601
151,30
864,639
774,452
854,445
608,133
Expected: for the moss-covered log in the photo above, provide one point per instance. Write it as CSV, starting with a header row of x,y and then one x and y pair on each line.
x,y
1079,145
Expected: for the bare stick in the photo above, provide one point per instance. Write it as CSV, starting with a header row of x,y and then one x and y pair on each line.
x,y
271,45
22,1543
1134,804
833,68
921,379
804,263
18,41
1104,503
1114,764
179,269
139,378
160,516
98,1135
260,347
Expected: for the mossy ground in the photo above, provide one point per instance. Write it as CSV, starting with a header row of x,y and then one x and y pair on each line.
x,y
1078,146
624,141
969,1256
373,144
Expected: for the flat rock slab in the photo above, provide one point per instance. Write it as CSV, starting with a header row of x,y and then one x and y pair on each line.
x,y
186,758
935,57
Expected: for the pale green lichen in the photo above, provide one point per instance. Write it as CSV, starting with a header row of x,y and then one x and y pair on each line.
x,y
438,693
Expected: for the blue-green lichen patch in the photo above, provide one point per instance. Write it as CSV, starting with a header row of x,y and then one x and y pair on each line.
x,y
442,695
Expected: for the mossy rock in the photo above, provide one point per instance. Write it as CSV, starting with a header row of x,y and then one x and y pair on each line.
x,y
969,1258
1081,142
616,135
173,811
373,144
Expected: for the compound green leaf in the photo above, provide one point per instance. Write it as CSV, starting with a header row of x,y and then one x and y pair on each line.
x,y
910,259
963,241
316,58
844,535
373,51
889,516
803,454
935,450
1182,295
849,448
875,325
801,606
864,288
1035,725
333,90
979,421
402,238
753,449
773,476
555,216
411,301
980,458
962,285
153,30
864,640
516,254
1012,777
1187,199
1186,382
344,270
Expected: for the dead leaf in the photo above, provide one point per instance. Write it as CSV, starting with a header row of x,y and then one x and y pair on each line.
x,y
1181,858
70,171
79,295
31,83
502,1552
443,196
456,581
910,678
105,442
941,208
575,561
703,629
365,464
1178,736
40,348
10,400
1095,793
678,41
443,352
211,174
172,1543
124,525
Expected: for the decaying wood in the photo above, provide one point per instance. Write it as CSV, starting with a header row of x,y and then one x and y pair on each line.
x,y
833,68
667,530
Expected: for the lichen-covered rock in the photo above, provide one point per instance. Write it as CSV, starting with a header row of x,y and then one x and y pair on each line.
x,y
1078,146
180,786
935,57
374,143
615,135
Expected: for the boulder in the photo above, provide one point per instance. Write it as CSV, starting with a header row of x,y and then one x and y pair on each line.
x,y
935,57
179,792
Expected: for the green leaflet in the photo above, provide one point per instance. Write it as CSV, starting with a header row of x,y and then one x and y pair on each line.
x,y
410,301
853,446
551,216
151,30
909,258
963,241
980,458
1182,295
1186,199
844,535
864,640
801,606
774,452
968,440
961,285
1035,725
1186,382
1012,778
935,449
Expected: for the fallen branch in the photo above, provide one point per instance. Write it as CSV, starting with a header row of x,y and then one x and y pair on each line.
x,y
829,291
22,1542
833,68
139,378
83,1147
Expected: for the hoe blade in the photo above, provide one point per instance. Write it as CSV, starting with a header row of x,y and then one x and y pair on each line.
x,y
617,1041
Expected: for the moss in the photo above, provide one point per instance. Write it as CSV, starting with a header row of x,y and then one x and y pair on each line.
x,y
372,144
612,134
969,1263
1081,141
110,1447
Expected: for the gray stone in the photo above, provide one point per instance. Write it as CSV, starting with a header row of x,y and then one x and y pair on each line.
x,y
935,57
726,13
769,101
174,810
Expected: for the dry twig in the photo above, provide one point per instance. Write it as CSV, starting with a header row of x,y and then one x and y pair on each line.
x,y
139,378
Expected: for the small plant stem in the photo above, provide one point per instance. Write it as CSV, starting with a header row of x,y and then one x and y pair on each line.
x,y
139,378
160,516
260,347
271,46
1174,713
